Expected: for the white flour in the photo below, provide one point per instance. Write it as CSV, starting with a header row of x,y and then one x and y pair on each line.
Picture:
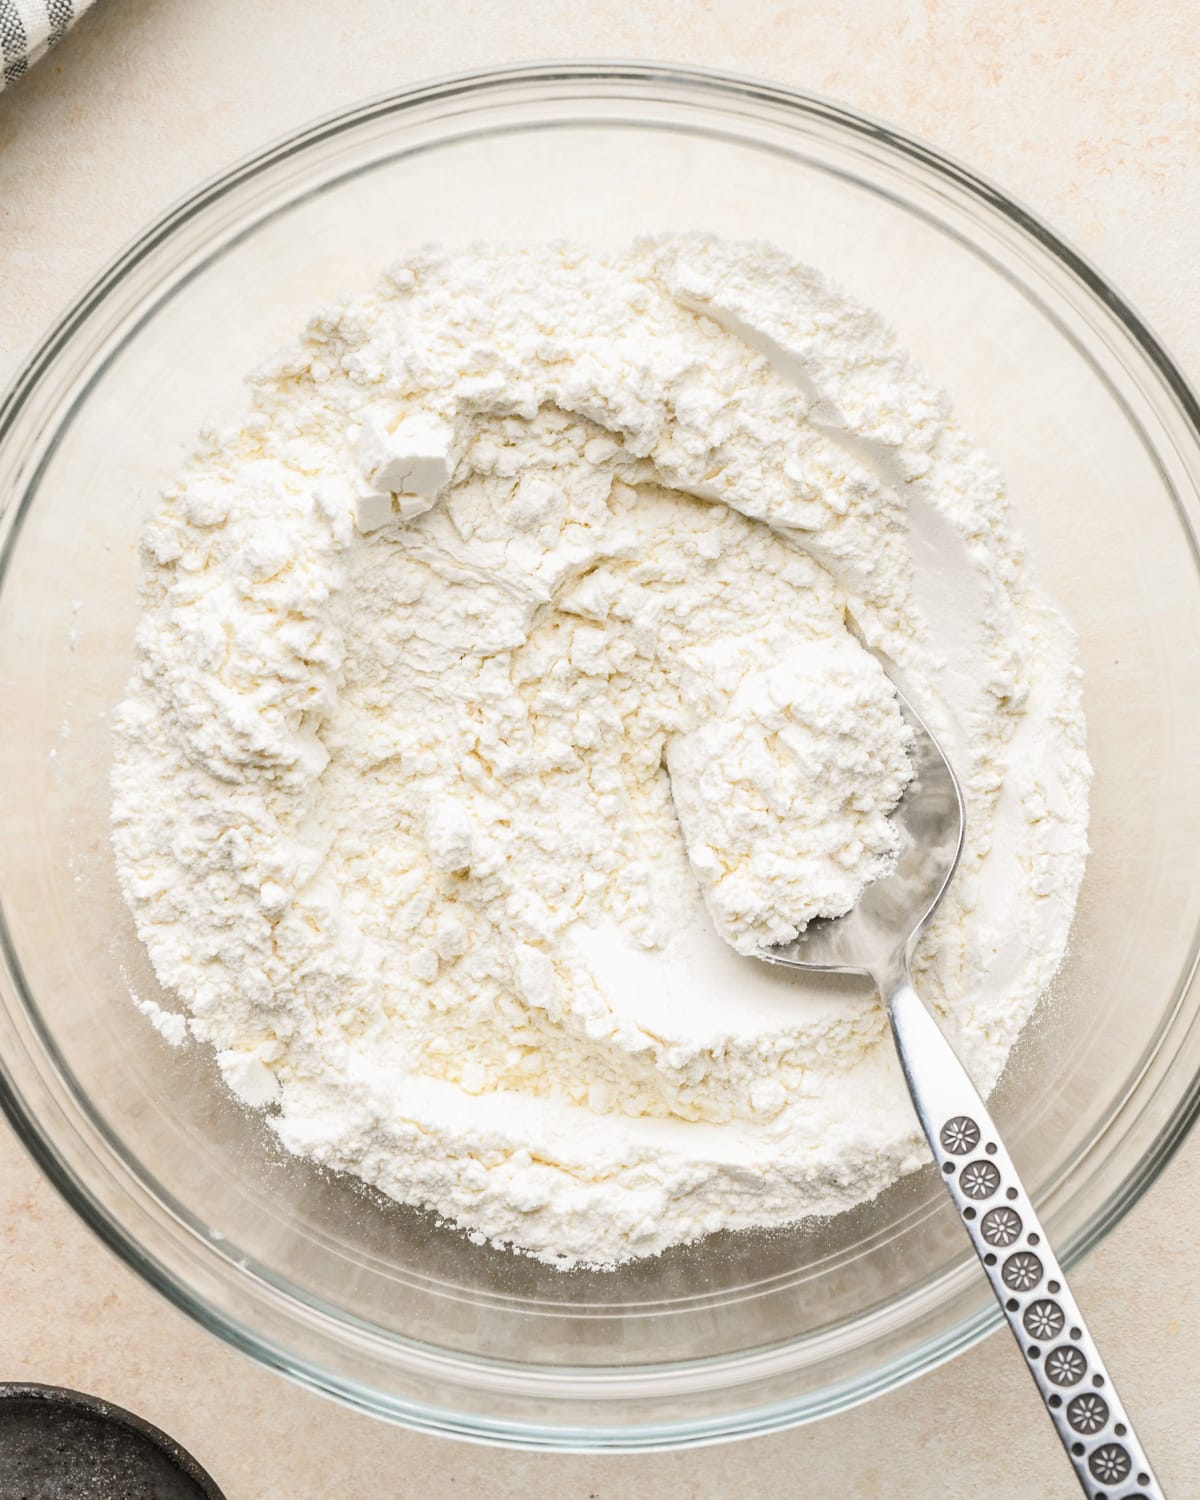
x,y
508,635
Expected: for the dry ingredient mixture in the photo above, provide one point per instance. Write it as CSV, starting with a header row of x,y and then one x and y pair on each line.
x,y
515,663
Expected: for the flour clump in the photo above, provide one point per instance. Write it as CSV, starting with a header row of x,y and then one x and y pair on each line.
x,y
514,667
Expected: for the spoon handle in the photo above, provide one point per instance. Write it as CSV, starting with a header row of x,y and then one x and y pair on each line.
x,y
1024,1272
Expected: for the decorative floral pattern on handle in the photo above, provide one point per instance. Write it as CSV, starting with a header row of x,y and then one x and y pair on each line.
x,y
1024,1273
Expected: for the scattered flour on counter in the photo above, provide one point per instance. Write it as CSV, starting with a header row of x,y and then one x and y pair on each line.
x,y
518,660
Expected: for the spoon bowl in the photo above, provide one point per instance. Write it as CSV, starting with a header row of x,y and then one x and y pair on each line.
x,y
931,820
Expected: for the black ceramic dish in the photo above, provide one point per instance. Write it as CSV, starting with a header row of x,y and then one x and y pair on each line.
x,y
57,1444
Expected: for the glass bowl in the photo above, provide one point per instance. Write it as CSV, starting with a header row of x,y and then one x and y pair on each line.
x,y
377,1303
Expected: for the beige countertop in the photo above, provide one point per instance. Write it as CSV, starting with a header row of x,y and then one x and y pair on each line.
x,y
1087,109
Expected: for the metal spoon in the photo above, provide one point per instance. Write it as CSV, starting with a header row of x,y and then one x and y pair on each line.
x,y
877,938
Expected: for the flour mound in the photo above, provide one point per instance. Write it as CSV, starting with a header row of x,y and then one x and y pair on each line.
x,y
515,662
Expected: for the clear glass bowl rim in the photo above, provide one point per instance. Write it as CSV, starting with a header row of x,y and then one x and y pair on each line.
x,y
646,82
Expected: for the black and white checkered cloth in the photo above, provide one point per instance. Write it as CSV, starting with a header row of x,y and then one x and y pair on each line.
x,y
28,29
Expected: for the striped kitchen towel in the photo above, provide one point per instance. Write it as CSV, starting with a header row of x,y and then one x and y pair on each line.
x,y
29,28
